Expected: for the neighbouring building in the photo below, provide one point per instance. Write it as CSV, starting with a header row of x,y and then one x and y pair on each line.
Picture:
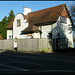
x,y
1,37
53,23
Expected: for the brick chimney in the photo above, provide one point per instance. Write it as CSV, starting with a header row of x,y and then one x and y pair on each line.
x,y
26,10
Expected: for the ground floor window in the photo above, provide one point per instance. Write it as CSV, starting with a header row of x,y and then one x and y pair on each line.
x,y
10,37
50,35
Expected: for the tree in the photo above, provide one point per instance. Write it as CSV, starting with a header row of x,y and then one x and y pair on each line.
x,y
5,21
3,25
11,16
72,12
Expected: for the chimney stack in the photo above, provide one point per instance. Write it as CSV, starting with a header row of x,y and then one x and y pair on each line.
x,y
26,10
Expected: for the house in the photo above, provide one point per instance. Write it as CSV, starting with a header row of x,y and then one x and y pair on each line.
x,y
53,23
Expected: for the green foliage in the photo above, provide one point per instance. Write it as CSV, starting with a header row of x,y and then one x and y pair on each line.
x,y
72,11
11,16
3,25
5,21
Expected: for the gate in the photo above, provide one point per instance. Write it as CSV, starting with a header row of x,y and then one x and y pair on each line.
x,y
61,43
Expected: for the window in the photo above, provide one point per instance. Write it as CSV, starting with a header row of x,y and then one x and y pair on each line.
x,y
18,23
9,37
50,35
63,19
58,35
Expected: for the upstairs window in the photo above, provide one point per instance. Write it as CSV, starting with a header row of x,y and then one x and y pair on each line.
x,y
18,23
63,19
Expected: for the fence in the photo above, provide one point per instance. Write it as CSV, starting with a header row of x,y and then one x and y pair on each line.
x,y
6,44
36,45
62,43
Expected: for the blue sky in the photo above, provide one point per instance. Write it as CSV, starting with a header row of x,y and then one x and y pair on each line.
x,y
17,6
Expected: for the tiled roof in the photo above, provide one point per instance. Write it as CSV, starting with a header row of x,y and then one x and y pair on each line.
x,y
10,25
1,37
31,29
46,15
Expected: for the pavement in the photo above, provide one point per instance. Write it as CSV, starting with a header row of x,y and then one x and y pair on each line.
x,y
12,62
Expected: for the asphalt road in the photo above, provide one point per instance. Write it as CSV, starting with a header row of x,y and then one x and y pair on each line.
x,y
36,63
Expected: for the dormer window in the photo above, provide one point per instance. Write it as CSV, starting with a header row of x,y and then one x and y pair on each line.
x,y
63,19
18,23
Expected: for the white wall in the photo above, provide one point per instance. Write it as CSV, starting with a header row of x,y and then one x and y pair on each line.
x,y
17,30
47,29
62,29
36,35
9,33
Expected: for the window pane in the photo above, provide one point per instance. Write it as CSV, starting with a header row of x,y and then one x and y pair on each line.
x,y
50,35
63,19
9,37
18,22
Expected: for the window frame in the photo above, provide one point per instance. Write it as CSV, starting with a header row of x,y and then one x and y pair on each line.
x,y
18,25
50,35
9,36
63,21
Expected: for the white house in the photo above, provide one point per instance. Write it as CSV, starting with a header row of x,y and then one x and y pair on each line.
x,y
54,22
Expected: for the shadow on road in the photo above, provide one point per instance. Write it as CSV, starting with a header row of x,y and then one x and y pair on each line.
x,y
61,51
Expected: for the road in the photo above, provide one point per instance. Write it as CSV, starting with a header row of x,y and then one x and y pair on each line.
x,y
36,63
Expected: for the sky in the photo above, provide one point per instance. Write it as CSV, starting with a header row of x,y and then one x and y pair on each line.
x,y
17,6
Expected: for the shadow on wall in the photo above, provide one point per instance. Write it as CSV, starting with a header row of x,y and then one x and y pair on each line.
x,y
59,38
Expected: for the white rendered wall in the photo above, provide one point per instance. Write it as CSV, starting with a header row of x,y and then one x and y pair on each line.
x,y
62,29
36,35
47,29
9,33
17,30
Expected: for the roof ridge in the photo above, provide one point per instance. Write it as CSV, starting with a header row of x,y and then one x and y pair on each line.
x,y
47,8
62,9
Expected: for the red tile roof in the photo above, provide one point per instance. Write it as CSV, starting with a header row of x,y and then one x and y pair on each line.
x,y
10,25
31,29
46,15
1,37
